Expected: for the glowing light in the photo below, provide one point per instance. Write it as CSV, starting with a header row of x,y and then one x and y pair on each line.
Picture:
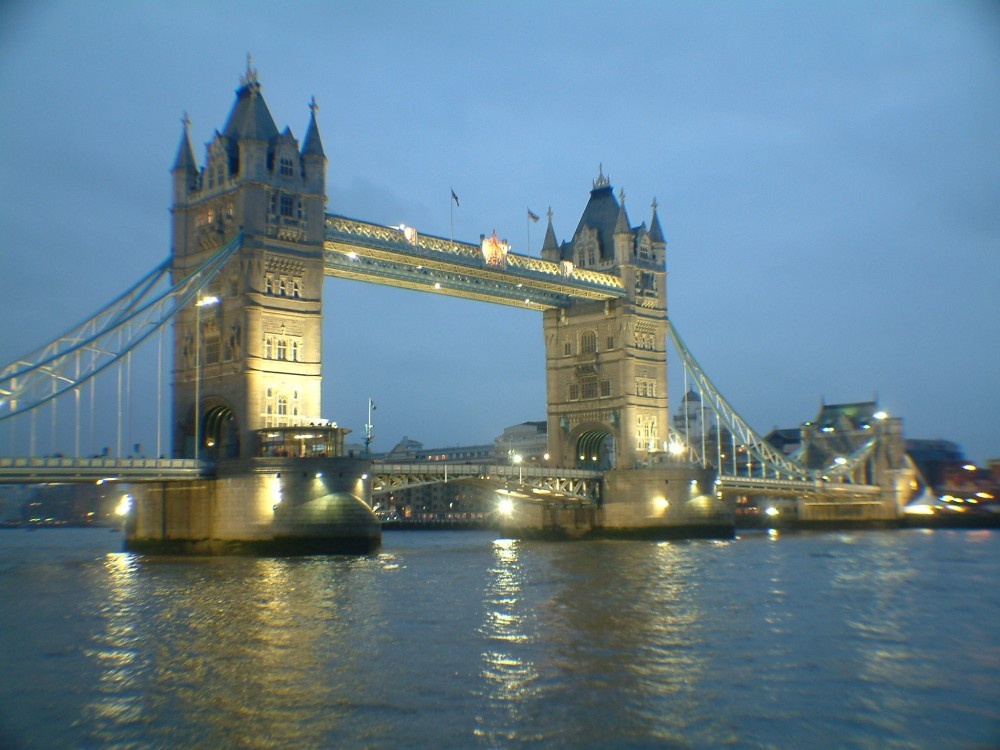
x,y
660,503
969,467
771,510
919,510
506,507
206,301
364,476
124,505
881,415
319,474
675,448
517,458
352,255
437,284
840,460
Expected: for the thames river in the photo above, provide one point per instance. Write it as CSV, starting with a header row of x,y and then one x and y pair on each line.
x,y
868,639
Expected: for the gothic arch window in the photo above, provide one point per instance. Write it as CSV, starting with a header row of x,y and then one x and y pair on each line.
x,y
267,349
281,349
296,288
268,285
295,351
588,342
588,387
282,406
281,287
285,167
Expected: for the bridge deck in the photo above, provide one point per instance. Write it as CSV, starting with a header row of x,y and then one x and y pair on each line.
x,y
371,252
21,470
529,482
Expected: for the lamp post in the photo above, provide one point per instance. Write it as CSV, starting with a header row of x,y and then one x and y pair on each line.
x,y
517,458
203,302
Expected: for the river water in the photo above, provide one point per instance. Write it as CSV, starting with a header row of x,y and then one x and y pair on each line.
x,y
461,639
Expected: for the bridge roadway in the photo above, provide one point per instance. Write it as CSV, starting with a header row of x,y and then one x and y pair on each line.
x,y
796,488
401,257
543,484
577,485
21,470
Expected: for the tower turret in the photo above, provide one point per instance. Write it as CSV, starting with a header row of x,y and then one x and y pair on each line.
x,y
251,354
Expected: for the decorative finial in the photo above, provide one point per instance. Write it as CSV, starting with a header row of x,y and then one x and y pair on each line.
x,y
313,106
602,179
186,122
621,195
655,204
548,214
250,76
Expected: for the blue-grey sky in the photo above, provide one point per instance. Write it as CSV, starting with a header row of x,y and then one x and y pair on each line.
x,y
828,177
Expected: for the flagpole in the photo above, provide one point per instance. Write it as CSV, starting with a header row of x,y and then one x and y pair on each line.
x,y
527,226
451,208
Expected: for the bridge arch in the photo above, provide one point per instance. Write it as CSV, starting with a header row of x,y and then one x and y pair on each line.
x,y
594,447
220,431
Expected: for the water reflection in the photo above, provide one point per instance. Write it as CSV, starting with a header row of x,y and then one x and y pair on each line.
x,y
508,677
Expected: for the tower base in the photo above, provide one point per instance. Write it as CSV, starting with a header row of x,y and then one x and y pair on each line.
x,y
259,506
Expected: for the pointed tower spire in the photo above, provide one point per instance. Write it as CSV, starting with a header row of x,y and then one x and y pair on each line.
x,y
622,225
185,161
655,230
312,144
550,246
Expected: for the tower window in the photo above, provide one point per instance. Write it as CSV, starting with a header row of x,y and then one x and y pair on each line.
x,y
605,388
267,285
588,342
285,167
281,287
567,348
282,406
281,350
287,206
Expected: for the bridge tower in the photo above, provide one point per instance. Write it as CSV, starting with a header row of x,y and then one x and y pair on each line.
x,y
606,376
251,350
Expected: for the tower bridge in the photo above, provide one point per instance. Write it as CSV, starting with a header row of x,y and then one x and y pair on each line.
x,y
255,462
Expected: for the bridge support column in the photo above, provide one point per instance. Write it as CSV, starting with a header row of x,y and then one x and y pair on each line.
x,y
283,506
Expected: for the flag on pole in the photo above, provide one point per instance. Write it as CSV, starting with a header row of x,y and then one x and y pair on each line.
x,y
454,198
532,215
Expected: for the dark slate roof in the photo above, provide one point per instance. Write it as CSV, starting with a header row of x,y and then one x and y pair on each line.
x,y
312,144
250,118
601,214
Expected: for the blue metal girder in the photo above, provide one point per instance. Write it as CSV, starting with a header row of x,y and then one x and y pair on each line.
x,y
399,257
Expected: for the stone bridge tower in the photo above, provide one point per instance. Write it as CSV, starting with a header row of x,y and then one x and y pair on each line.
x,y
606,376
251,350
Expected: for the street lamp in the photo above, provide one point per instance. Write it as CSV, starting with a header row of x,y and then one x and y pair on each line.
x,y
517,458
203,302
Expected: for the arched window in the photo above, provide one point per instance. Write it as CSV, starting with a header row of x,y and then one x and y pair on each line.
x,y
588,342
267,348
281,349
282,406
286,167
295,351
